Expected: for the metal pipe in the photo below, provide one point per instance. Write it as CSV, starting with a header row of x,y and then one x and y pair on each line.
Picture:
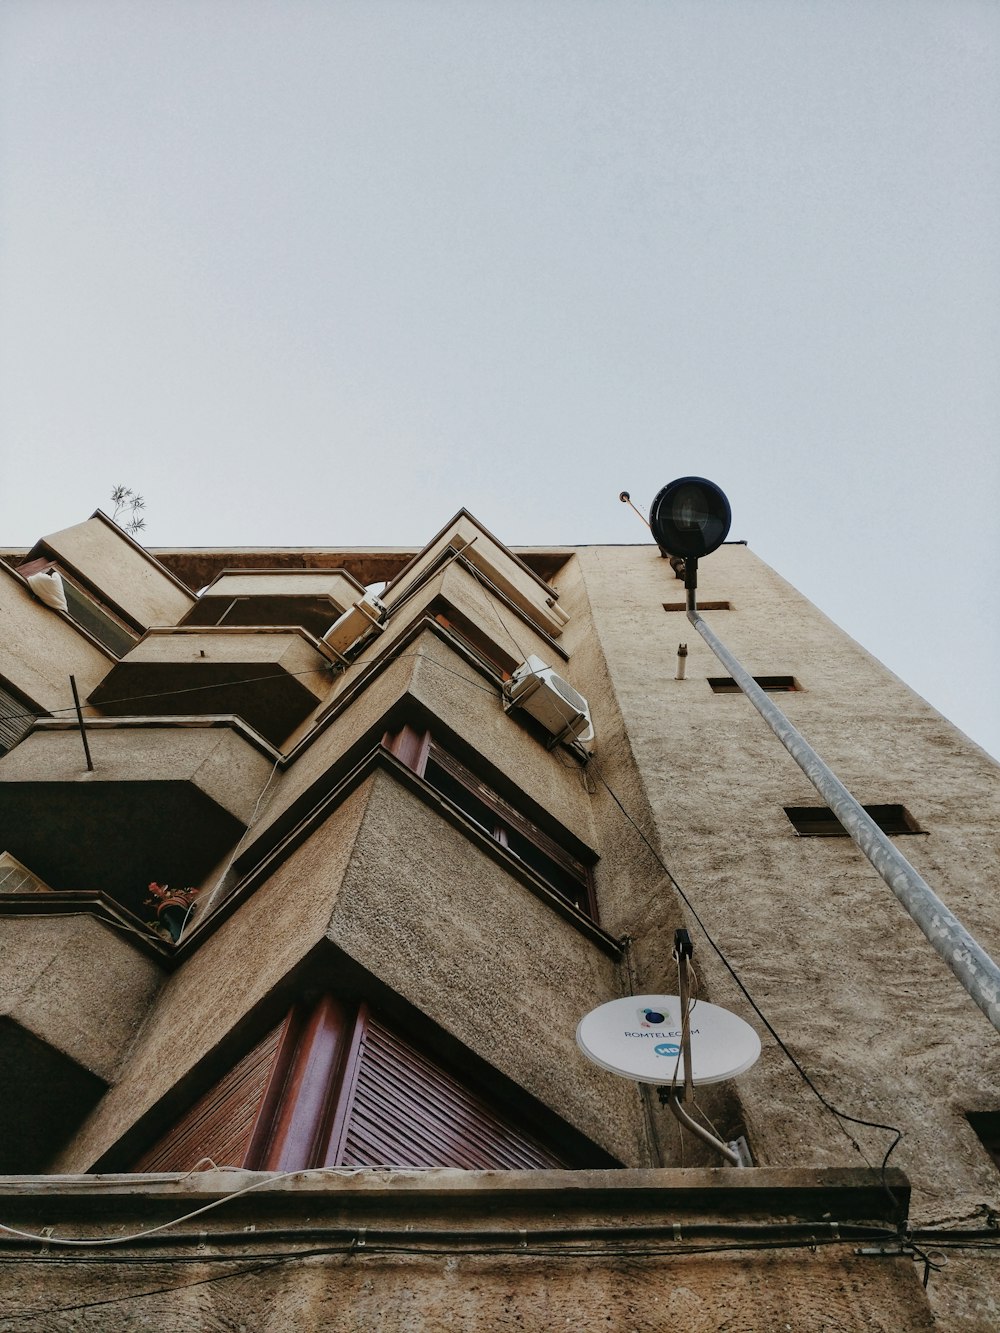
x,y
731,1156
83,729
971,964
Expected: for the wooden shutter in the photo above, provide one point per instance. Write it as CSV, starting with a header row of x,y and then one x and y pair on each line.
x,y
220,1123
404,1110
16,720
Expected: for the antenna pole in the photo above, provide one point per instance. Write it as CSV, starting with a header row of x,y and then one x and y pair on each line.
x,y
670,1096
83,729
683,950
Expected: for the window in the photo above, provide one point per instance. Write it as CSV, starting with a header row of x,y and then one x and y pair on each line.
x,y
86,611
17,717
773,684
481,805
477,644
335,1085
702,606
819,821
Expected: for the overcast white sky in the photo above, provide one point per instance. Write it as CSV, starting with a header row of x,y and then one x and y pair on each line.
x,y
322,271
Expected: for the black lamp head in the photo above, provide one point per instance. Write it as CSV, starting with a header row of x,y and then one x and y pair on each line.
x,y
690,517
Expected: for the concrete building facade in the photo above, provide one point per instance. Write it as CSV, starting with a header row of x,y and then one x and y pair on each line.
x,y
299,913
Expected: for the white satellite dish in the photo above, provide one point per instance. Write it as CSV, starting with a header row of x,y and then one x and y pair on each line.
x,y
639,1037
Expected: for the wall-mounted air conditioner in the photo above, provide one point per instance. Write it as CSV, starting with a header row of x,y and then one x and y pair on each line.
x,y
550,700
370,613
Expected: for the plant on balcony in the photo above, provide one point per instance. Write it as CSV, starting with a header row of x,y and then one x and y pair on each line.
x,y
173,907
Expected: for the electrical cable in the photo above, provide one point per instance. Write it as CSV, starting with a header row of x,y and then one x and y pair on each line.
x,y
833,1110
375,1248
495,609
90,1243
370,1246
828,1105
223,685
168,694
231,858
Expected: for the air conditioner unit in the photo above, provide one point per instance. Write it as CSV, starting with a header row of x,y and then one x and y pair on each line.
x,y
550,700
368,614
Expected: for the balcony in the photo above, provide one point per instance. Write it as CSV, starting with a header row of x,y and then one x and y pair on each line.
x,y
166,800
497,566
272,678
309,598
73,991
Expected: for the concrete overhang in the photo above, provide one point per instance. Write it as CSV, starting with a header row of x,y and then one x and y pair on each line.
x,y
271,677
441,1198
494,562
309,598
73,991
165,801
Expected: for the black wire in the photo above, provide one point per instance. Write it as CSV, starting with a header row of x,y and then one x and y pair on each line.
x,y
228,685
356,1250
141,1295
168,694
835,1111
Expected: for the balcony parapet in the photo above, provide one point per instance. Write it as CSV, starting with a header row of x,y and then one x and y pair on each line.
x,y
167,798
497,565
309,598
271,676
77,977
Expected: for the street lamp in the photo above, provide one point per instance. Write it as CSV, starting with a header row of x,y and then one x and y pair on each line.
x,y
689,518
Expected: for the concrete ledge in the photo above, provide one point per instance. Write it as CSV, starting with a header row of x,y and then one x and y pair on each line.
x,y
437,1198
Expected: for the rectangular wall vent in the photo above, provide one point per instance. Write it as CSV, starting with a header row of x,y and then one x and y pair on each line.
x,y
819,821
773,684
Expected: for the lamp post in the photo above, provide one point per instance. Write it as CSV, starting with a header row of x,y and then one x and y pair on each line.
x,y
690,518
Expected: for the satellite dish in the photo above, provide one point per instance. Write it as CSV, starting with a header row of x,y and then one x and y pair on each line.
x,y
639,1037
690,517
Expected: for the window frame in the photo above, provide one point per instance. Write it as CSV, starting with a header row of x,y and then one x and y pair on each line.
x,y
308,1088
118,636
553,865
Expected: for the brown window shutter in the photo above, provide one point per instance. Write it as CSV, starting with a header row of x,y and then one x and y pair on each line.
x,y
16,719
220,1123
405,1110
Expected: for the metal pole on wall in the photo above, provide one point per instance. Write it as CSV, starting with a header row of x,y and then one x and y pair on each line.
x,y
971,964
79,718
690,518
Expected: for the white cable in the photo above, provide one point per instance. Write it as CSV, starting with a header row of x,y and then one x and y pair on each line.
x,y
42,1239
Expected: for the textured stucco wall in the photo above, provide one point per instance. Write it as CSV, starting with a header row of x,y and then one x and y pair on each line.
x,y
844,975
288,583
438,679
40,650
433,915
430,1250
495,561
218,760
76,984
127,577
